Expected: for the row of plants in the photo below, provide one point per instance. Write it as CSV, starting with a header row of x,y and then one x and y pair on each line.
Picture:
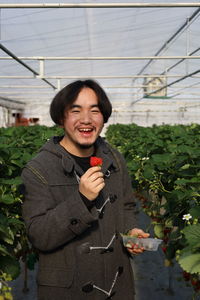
x,y
164,164
17,146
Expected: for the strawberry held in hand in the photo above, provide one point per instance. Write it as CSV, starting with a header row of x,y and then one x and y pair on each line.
x,y
96,161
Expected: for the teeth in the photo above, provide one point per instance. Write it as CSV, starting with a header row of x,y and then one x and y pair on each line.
x,y
85,129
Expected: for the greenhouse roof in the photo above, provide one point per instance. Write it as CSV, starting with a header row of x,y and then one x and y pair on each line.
x,y
133,49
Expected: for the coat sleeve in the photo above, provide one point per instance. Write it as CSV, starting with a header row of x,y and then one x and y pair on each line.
x,y
50,226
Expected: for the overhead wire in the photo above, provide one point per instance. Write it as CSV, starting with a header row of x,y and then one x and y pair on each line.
x,y
180,30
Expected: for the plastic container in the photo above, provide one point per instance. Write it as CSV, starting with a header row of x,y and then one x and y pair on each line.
x,y
149,244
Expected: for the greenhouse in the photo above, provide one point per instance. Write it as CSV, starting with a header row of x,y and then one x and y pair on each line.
x,y
145,56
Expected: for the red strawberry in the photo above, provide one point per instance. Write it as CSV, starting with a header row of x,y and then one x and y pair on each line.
x,y
186,275
95,161
194,281
167,230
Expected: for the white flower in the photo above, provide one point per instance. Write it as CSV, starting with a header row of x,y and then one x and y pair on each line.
x,y
0,285
187,217
145,158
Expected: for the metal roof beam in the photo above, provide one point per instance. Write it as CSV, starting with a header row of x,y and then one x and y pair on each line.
x,y
99,77
131,87
13,104
38,87
106,87
23,87
101,57
99,5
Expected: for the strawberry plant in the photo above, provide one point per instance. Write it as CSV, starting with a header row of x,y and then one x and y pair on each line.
x,y
164,164
17,146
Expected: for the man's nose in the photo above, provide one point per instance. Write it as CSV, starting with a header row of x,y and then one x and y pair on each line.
x,y
85,117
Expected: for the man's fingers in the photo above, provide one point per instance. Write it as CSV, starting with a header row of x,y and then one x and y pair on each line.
x,y
97,184
96,176
135,249
88,178
99,187
92,174
91,183
144,235
139,233
92,170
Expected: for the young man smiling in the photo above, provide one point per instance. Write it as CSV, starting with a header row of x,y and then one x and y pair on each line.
x,y
83,122
81,210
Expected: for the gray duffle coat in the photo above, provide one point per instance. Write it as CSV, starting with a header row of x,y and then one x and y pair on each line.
x,y
81,255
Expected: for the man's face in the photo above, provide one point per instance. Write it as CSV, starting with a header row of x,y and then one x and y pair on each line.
x,y
83,121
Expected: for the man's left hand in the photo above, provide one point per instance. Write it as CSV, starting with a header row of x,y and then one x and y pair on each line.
x,y
140,234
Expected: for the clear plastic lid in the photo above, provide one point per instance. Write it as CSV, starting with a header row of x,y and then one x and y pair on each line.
x,y
149,244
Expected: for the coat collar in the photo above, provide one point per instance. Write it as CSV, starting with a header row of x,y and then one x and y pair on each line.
x,y
102,150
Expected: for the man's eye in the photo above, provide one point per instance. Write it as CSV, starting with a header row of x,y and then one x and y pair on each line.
x,y
95,111
75,111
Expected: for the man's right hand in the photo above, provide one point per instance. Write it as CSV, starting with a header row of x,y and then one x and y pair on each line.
x,y
91,183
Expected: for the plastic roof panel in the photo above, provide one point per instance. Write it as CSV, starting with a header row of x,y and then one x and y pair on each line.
x,y
96,32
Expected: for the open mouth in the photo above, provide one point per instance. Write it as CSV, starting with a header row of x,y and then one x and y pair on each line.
x,y
85,131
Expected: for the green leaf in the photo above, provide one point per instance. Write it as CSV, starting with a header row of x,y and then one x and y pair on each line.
x,y
16,155
158,230
190,262
31,261
192,234
10,266
185,181
16,180
26,156
185,149
195,211
148,173
4,252
18,163
170,252
6,234
133,165
7,199
185,167
15,221
3,219
162,158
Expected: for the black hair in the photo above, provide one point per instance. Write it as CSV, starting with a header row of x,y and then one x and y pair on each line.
x,y
65,98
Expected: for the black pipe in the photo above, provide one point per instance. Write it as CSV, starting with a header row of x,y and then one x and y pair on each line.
x,y
23,64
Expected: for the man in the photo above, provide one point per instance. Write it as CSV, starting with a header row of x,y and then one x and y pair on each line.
x,y
75,213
